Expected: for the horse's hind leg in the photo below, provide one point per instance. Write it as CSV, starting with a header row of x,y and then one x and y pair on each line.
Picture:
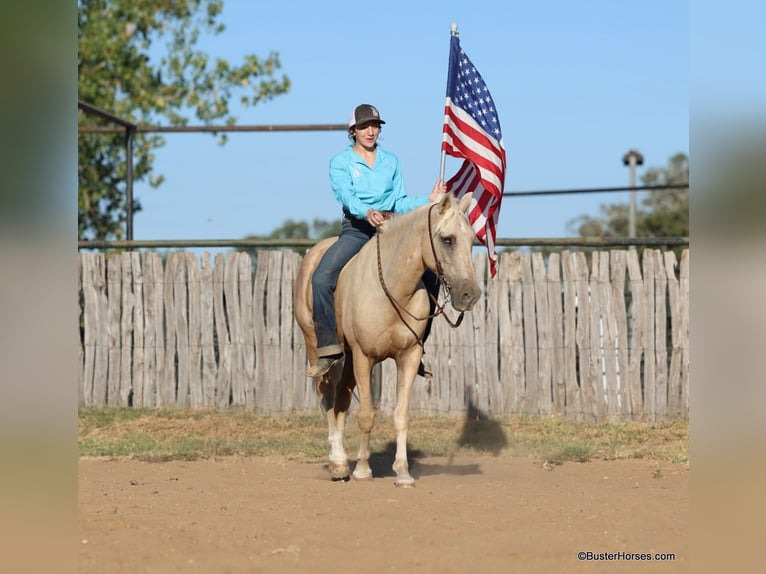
x,y
334,395
336,408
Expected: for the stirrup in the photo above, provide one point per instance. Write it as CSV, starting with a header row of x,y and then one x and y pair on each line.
x,y
423,372
322,366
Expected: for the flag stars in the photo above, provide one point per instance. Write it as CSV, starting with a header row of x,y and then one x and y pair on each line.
x,y
470,93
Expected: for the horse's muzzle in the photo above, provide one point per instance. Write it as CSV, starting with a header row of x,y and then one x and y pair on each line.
x,y
465,297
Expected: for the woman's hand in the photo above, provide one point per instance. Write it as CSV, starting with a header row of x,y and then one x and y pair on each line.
x,y
439,189
375,217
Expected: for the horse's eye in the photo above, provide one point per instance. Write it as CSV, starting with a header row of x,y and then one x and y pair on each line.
x,y
448,240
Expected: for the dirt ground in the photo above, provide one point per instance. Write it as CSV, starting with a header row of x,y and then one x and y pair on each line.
x,y
469,514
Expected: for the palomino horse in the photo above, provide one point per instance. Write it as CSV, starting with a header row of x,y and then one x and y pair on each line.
x,y
382,308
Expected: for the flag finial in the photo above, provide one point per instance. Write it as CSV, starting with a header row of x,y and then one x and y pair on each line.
x,y
453,29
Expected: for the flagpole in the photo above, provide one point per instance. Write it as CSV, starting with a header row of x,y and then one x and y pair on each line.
x,y
452,32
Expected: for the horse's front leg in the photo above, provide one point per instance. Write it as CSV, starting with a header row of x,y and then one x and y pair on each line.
x,y
365,417
406,369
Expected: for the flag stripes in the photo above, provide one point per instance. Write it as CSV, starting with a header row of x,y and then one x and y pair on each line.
x,y
472,132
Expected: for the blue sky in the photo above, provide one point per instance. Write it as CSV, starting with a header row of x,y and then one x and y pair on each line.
x,y
576,85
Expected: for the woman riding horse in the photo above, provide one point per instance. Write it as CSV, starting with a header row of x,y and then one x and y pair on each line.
x,y
367,182
383,309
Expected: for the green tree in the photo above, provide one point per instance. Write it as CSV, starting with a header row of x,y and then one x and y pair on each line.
x,y
661,213
290,229
123,69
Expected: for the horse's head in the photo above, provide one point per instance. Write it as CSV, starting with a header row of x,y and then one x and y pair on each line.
x,y
451,239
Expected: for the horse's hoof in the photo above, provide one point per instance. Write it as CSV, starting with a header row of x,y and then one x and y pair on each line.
x,y
339,471
340,478
363,478
404,483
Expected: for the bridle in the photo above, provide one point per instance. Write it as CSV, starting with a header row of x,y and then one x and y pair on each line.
x,y
443,284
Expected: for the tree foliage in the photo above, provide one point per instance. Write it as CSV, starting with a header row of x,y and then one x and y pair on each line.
x,y
291,229
139,60
661,213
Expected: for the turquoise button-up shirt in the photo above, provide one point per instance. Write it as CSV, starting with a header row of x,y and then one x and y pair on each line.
x,y
359,187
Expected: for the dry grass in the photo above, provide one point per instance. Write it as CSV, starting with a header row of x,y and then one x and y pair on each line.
x,y
179,434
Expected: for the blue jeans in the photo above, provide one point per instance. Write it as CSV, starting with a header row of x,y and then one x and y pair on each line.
x,y
354,233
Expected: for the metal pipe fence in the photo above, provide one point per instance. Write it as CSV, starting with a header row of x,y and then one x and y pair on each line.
x,y
305,243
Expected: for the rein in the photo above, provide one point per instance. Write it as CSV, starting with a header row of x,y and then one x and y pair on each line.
x,y
398,307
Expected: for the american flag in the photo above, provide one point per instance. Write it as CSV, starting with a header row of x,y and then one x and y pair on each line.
x,y
472,132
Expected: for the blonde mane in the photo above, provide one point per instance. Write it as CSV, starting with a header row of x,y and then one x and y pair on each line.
x,y
403,220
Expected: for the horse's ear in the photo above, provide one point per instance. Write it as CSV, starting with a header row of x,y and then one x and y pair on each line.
x,y
444,202
465,201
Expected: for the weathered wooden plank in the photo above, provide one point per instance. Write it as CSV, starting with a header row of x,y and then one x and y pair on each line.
x,y
181,302
87,328
286,322
502,310
556,333
94,327
544,336
676,341
161,331
609,339
194,331
596,363
619,314
637,343
114,295
139,350
207,330
476,337
456,403
684,329
145,397
650,366
126,331
273,402
168,385
80,334
573,399
518,378
259,323
233,314
660,326
583,335
223,379
247,334
491,351
531,341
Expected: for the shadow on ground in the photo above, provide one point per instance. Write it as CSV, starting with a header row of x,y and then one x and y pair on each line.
x,y
382,463
480,433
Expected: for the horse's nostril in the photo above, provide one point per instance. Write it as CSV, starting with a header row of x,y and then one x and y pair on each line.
x,y
471,297
468,298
